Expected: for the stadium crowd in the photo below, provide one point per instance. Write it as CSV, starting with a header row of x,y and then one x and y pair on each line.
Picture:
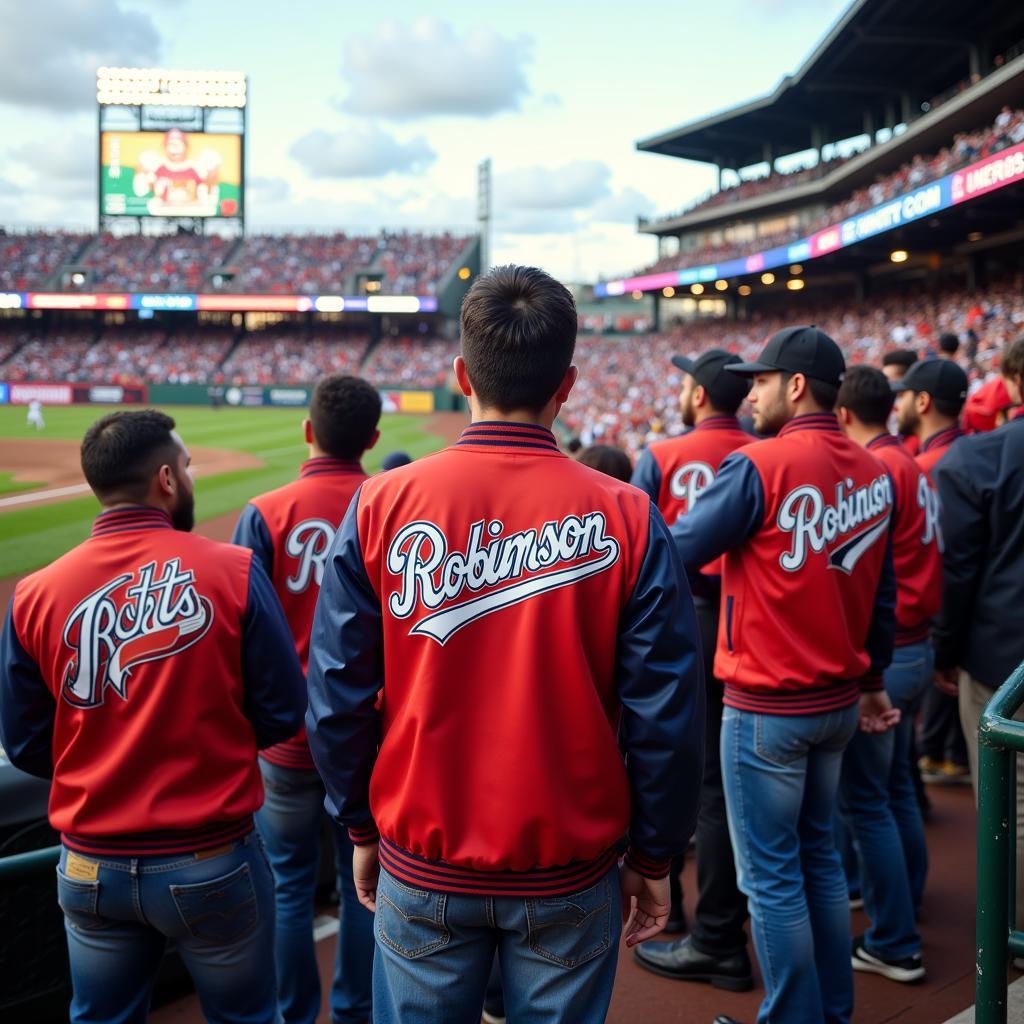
x,y
29,260
291,359
966,147
414,362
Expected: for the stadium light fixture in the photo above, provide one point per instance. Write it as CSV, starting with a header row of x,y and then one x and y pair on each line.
x,y
744,289
697,289
721,285
795,284
796,269
899,256
768,278
975,236
637,294
464,273
668,291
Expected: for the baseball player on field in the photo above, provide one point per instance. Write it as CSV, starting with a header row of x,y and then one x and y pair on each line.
x,y
141,672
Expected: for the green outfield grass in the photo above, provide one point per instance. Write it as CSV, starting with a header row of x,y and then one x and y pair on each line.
x,y
33,536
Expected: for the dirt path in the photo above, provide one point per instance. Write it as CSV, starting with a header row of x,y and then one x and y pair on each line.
x,y
447,424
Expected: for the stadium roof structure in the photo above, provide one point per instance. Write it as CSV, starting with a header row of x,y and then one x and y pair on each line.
x,y
877,65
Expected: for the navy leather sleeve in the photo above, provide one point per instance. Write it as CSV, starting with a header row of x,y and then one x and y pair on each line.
x,y
27,707
728,512
346,672
660,683
647,475
275,689
882,629
251,531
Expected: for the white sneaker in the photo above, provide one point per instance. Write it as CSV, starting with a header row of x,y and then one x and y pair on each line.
x,y
906,969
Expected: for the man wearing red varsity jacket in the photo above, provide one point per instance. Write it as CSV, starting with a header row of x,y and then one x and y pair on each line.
x,y
504,686
807,629
142,671
290,530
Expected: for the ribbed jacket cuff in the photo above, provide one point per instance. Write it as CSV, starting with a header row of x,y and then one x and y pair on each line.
x,y
647,866
871,682
365,834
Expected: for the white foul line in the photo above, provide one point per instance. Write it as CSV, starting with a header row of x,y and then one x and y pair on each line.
x,y
33,496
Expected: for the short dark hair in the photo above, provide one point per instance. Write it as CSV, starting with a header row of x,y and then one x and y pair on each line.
x,y
344,412
518,337
866,392
1012,362
904,357
122,450
607,459
823,392
948,343
948,407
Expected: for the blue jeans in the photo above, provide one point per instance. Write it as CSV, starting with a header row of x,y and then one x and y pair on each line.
x,y
218,909
781,774
290,822
435,951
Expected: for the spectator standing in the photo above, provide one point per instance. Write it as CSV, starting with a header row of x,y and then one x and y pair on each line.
x,y
607,459
291,530
475,757
141,671
803,521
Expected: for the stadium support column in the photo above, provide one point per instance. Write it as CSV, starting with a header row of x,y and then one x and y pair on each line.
x,y
483,212
656,311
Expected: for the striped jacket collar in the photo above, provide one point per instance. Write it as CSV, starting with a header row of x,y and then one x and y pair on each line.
x,y
328,464
884,440
719,422
942,438
138,517
811,421
495,435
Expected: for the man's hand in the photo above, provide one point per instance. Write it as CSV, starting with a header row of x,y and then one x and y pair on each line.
x,y
947,680
877,713
365,872
645,905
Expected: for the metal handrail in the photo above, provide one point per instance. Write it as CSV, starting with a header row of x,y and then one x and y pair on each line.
x,y
1000,739
27,865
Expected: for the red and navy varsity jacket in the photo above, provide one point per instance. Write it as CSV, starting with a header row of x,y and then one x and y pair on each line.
x,y
916,541
142,670
934,449
291,530
808,589
676,471
529,629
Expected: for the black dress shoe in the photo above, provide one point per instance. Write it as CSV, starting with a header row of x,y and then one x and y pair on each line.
x,y
681,960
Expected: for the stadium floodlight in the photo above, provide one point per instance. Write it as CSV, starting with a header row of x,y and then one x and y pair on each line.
x,y
768,278
668,291
637,294
721,284
795,284
744,289
464,273
168,87
796,269
899,256
696,289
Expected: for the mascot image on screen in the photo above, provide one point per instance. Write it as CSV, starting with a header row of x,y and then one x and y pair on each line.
x,y
180,185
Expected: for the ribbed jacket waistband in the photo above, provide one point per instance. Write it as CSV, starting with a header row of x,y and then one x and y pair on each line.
x,y
818,700
160,844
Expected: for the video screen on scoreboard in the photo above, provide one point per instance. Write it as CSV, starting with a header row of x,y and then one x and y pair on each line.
x,y
171,173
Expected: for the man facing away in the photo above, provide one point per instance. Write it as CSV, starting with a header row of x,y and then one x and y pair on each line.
x,y
807,630
929,399
291,530
141,671
675,473
979,634
877,793
504,682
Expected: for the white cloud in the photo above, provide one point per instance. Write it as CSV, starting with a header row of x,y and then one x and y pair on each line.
x,y
69,157
267,190
426,68
535,222
622,208
49,52
574,186
362,151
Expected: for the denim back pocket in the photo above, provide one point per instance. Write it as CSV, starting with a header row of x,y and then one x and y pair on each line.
x,y
80,902
410,921
570,930
780,739
222,910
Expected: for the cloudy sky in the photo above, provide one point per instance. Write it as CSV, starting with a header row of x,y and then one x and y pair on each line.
x,y
356,121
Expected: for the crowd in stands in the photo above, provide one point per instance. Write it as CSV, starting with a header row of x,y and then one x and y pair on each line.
x,y
123,357
55,359
967,147
174,263
28,261
299,264
290,359
412,362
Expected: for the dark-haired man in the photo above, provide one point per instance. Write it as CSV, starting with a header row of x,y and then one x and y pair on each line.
x,y
878,798
675,473
895,365
979,634
291,530
807,629
929,399
141,671
495,623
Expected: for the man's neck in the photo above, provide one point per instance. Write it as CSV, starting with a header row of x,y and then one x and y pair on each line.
x,y
527,417
929,426
705,413
120,506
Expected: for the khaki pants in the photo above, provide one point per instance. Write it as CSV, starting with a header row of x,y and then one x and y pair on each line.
x,y
973,698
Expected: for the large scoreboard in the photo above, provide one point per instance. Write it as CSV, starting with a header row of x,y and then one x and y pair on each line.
x,y
172,143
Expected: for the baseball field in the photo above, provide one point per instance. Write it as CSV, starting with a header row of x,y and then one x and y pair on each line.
x,y
46,506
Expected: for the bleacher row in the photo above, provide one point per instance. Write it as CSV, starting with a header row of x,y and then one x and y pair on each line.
x,y
965,148
309,264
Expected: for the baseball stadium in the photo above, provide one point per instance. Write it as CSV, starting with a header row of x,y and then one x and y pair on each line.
x,y
876,193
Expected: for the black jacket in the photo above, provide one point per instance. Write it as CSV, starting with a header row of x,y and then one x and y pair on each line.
x,y
981,487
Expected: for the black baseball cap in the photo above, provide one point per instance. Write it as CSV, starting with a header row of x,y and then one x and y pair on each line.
x,y
940,378
708,370
806,350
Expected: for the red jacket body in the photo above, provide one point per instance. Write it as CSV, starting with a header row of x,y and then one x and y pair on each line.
x,y
934,448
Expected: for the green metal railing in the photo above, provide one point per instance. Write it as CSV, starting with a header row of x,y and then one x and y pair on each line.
x,y
35,863
1000,740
